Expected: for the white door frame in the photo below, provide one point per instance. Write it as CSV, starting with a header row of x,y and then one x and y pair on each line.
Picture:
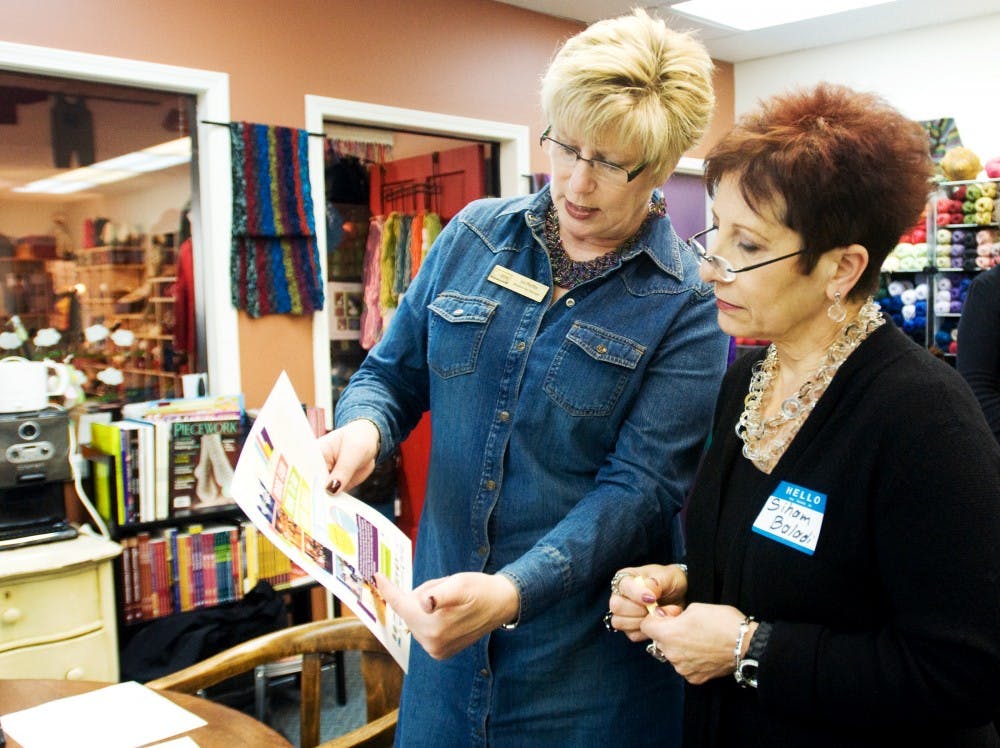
x,y
211,220
515,164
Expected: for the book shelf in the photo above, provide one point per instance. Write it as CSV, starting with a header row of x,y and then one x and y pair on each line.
x,y
180,553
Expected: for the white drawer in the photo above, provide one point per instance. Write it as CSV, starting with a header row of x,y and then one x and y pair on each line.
x,y
44,608
91,657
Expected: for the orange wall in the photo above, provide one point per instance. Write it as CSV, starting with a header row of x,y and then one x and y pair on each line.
x,y
470,58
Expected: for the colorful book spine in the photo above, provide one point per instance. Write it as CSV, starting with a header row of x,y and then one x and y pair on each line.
x,y
145,576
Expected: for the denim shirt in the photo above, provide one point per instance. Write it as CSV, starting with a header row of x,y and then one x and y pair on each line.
x,y
565,437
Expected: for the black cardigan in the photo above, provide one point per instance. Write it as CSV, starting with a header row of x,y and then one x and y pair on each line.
x,y
890,633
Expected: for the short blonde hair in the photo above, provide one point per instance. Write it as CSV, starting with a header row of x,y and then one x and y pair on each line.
x,y
632,80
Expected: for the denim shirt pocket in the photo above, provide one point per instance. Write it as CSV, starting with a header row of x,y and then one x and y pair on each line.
x,y
457,327
591,369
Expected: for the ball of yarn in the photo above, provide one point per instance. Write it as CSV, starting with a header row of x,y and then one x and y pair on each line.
x,y
943,236
944,284
942,306
960,163
943,262
941,339
890,264
921,290
896,287
956,307
953,347
908,296
989,189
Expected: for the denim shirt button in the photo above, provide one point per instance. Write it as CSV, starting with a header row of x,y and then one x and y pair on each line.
x,y
520,346
490,485
571,302
485,673
458,312
602,349
482,550
504,416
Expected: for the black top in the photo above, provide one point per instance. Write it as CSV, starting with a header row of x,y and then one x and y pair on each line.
x,y
979,344
889,634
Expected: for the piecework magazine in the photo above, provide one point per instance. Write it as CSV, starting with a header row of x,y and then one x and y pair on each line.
x,y
280,483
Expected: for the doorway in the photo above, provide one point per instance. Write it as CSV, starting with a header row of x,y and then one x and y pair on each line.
x,y
512,168
210,213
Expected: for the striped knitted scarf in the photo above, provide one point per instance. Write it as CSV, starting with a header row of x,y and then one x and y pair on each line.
x,y
274,265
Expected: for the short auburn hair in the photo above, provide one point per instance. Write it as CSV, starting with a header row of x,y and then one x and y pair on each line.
x,y
838,166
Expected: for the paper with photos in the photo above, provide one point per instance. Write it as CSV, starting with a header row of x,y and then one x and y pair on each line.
x,y
280,483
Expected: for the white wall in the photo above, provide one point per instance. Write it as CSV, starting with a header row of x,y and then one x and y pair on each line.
x,y
947,71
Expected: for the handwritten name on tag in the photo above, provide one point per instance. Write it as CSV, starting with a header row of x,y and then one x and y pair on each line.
x,y
518,283
793,516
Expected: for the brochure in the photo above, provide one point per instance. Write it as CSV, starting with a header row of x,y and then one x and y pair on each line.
x,y
280,483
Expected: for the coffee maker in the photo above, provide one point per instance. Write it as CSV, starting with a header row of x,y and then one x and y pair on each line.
x,y
34,466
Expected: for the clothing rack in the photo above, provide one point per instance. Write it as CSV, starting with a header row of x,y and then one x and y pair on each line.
x,y
227,124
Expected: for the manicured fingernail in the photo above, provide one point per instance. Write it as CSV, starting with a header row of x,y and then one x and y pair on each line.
x,y
660,612
333,486
647,597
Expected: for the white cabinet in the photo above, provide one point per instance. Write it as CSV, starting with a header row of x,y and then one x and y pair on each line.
x,y
57,611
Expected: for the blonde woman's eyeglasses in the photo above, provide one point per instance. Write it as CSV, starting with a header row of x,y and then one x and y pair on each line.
x,y
565,157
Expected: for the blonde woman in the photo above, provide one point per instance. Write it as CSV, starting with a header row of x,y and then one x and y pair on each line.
x,y
569,357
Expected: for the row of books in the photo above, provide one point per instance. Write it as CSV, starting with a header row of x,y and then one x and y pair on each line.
x,y
167,458
179,569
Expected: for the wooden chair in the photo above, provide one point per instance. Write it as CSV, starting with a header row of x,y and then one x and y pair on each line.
x,y
382,676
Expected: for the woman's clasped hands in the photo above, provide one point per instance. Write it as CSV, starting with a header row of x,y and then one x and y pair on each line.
x,y
647,603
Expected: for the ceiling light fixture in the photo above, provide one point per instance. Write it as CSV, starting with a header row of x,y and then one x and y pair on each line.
x,y
154,158
761,14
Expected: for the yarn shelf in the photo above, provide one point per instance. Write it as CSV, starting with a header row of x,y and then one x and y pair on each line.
x,y
959,249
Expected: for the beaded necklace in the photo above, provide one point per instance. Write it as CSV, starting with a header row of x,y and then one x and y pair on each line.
x,y
569,273
762,442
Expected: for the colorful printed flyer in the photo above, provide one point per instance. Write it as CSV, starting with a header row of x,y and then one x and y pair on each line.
x,y
280,483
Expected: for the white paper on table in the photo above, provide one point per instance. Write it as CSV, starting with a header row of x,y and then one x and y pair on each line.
x,y
185,742
280,484
126,715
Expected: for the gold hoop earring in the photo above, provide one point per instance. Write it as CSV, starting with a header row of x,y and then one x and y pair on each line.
x,y
836,310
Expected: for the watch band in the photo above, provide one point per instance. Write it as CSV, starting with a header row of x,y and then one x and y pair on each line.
x,y
747,667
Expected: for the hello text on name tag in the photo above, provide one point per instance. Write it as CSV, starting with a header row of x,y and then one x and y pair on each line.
x,y
793,516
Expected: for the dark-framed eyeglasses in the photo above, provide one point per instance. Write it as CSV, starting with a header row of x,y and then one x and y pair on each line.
x,y
723,267
565,157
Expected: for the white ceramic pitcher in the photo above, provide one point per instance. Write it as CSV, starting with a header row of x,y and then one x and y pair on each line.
x,y
27,385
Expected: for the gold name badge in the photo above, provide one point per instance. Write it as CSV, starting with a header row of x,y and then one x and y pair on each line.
x,y
518,283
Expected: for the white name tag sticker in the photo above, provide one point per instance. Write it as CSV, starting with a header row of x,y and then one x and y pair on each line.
x,y
518,283
793,516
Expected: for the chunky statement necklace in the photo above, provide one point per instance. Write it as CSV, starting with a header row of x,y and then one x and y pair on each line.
x,y
765,441
569,273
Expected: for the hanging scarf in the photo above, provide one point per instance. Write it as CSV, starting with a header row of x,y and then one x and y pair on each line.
x,y
275,257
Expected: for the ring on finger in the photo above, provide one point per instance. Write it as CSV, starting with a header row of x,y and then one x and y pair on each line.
x,y
607,622
616,581
655,652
